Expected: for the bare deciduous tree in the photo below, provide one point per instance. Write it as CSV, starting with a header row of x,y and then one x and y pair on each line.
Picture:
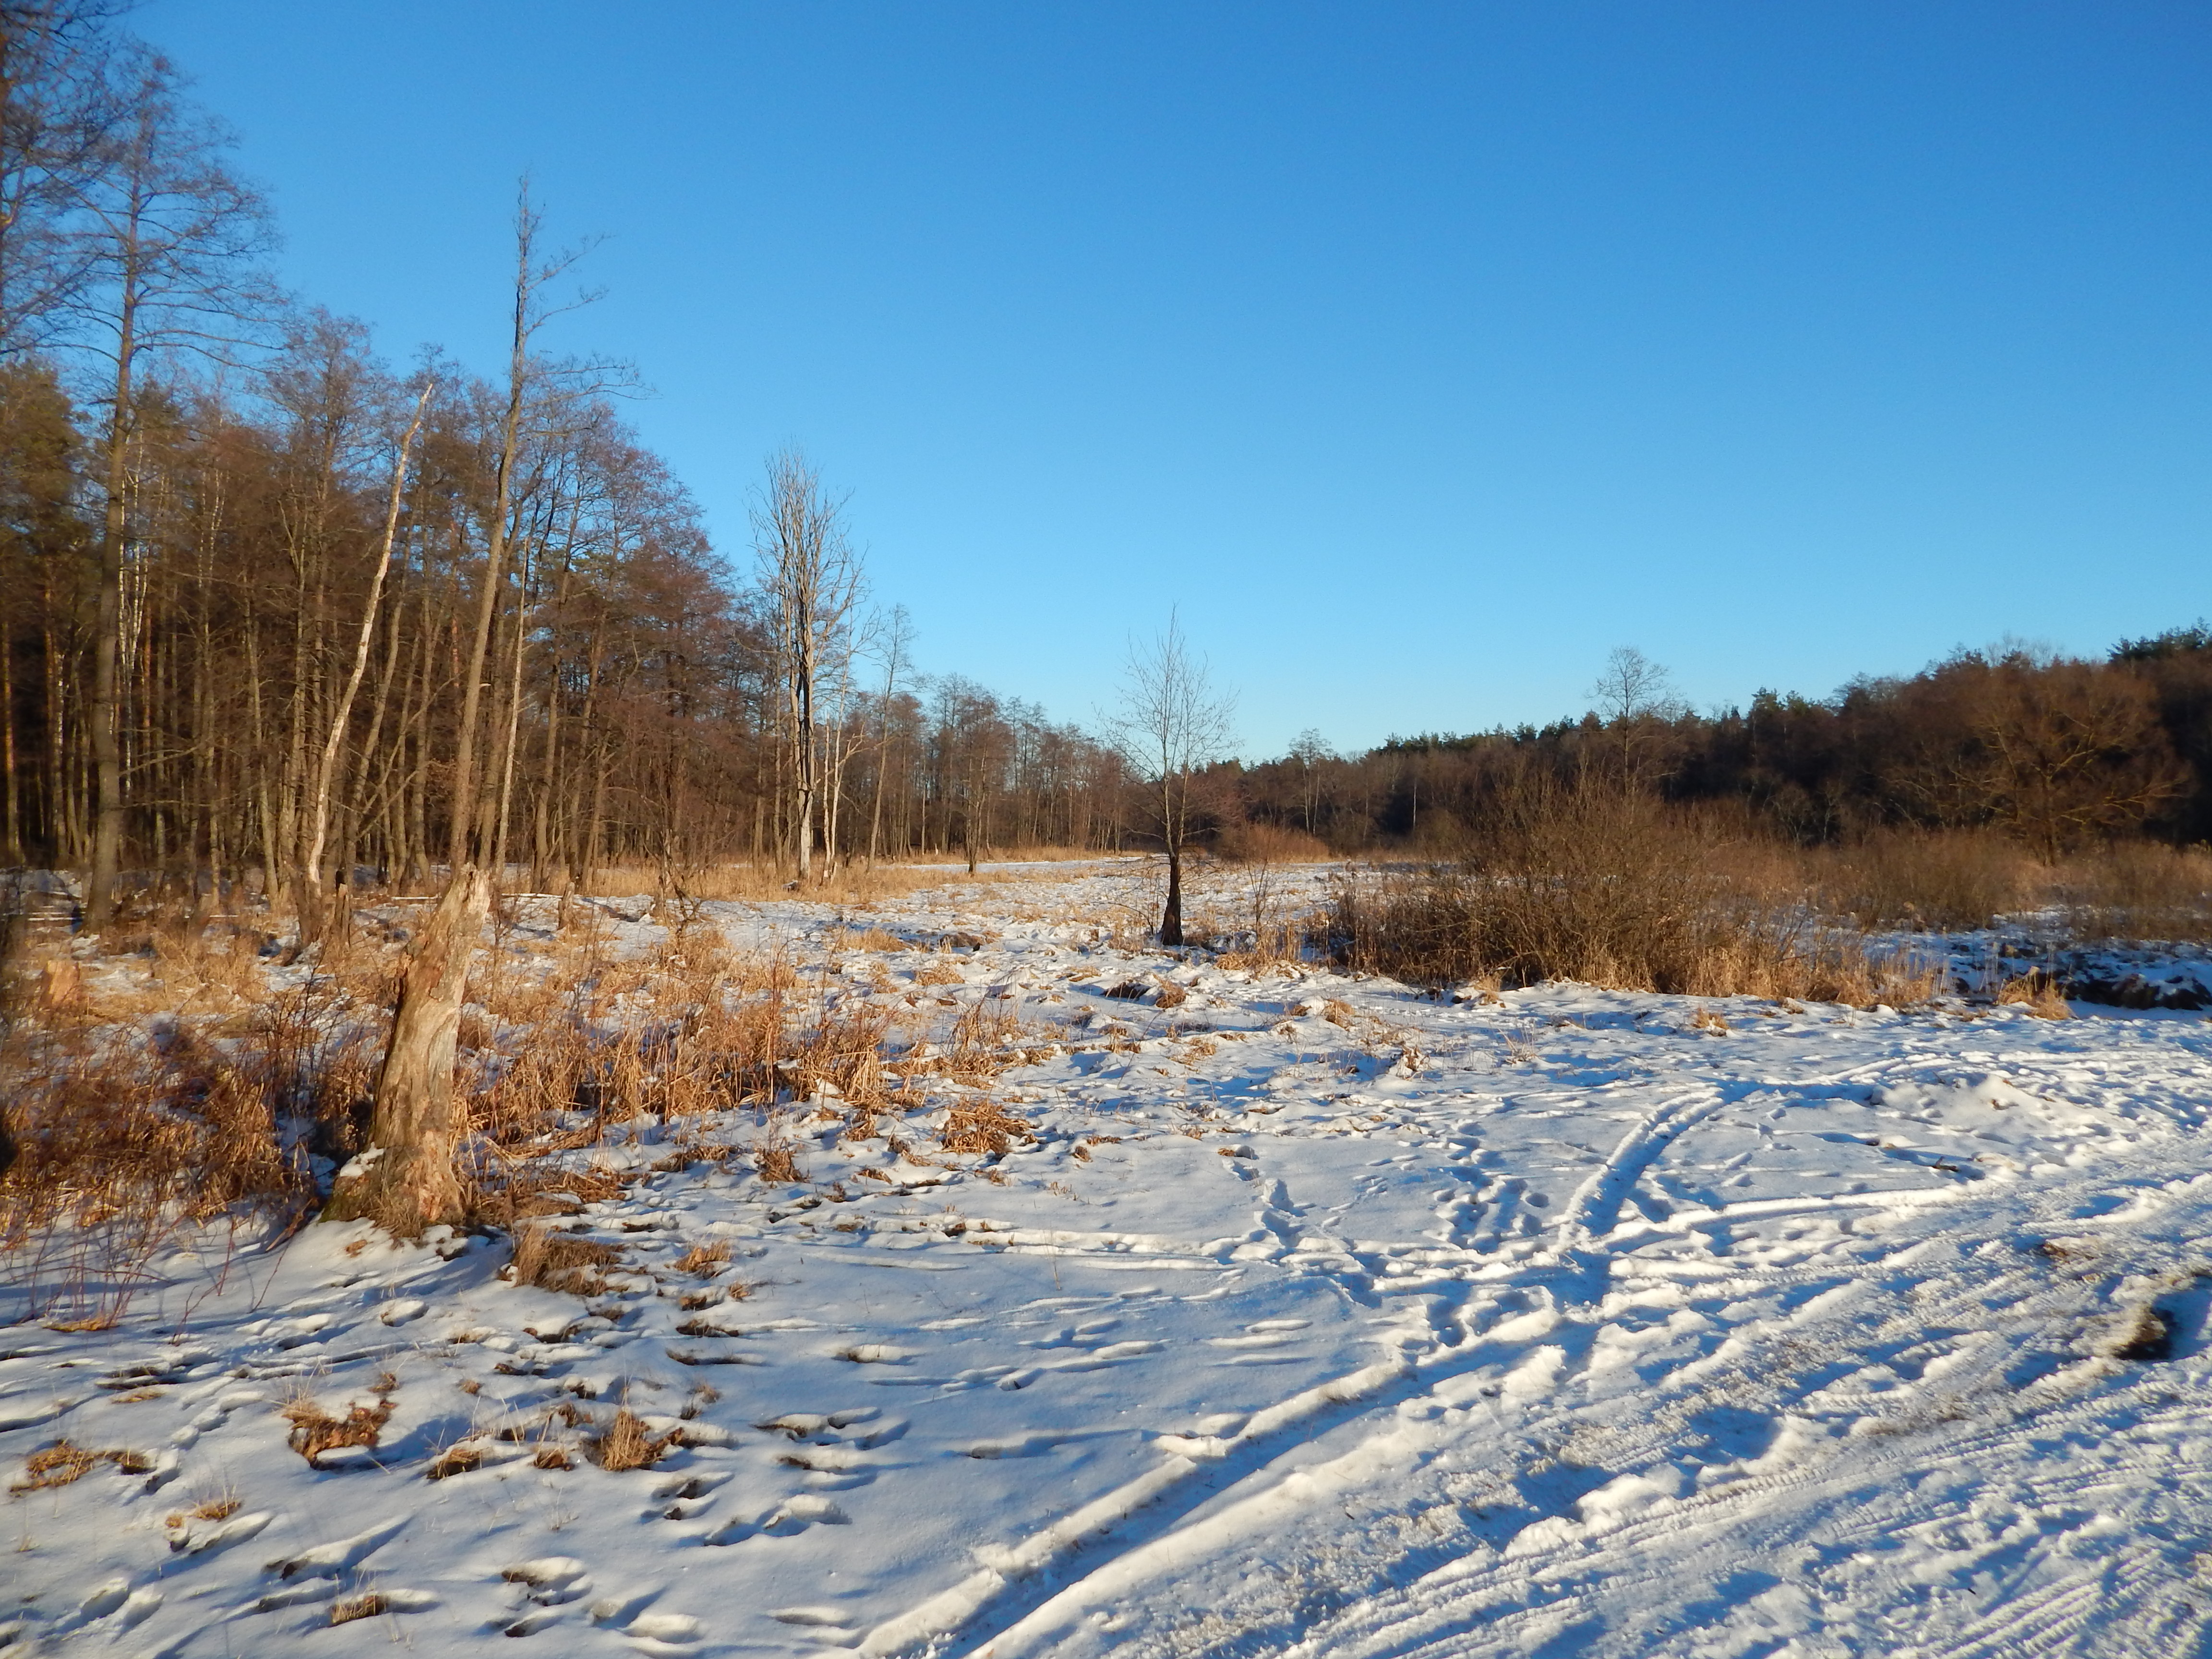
x,y
1635,695
532,276
1170,724
171,238
814,582
312,879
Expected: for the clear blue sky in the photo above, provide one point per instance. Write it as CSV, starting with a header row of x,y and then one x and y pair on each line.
x,y
1421,353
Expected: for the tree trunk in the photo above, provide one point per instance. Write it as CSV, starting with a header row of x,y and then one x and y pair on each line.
x,y
319,810
1171,917
407,1179
106,710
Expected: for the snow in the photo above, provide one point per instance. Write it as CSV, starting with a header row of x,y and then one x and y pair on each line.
x,y
1321,1316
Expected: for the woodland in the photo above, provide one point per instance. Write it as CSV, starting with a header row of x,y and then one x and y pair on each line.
x,y
274,609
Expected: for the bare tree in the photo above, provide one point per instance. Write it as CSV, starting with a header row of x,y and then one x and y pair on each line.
x,y
1635,695
895,641
1311,752
1170,724
532,276
172,240
311,880
813,580
56,111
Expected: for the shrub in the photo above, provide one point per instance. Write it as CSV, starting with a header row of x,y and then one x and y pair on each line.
x,y
1936,879
1268,843
2139,890
1607,886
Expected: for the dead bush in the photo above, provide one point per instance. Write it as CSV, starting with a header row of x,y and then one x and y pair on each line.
x,y
1942,880
1607,887
2139,890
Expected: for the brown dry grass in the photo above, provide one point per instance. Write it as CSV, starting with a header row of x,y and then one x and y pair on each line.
x,y
61,1464
124,1133
704,1259
774,1161
981,1126
1269,843
556,1261
628,1445
2036,992
1612,889
2139,890
366,1605
315,1432
1925,880
851,885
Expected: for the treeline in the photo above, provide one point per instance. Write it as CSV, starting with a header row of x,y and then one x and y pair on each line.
x,y
2057,752
267,605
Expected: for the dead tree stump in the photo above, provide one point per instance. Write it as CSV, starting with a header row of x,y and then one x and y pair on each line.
x,y
407,1179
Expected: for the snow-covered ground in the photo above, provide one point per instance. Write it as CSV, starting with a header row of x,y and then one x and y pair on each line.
x,y
1319,1317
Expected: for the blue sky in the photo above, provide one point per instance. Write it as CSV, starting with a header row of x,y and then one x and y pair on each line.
x,y
1419,353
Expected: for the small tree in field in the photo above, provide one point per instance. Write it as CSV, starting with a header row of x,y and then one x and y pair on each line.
x,y
1169,723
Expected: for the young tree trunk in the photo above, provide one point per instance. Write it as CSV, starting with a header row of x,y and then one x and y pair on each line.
x,y
407,1179
106,709
311,875
1171,915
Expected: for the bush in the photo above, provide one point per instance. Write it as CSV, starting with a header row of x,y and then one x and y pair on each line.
x,y
1609,887
1942,880
1268,843
2139,890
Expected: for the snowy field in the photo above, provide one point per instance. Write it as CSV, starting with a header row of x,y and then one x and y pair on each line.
x,y
1318,1316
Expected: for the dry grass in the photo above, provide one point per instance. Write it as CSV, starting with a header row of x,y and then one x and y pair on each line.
x,y
627,1445
1942,880
2139,890
981,1126
1611,889
366,1605
704,1259
850,883
315,1432
2036,992
772,1161
58,1465
457,1459
1269,843
555,1261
